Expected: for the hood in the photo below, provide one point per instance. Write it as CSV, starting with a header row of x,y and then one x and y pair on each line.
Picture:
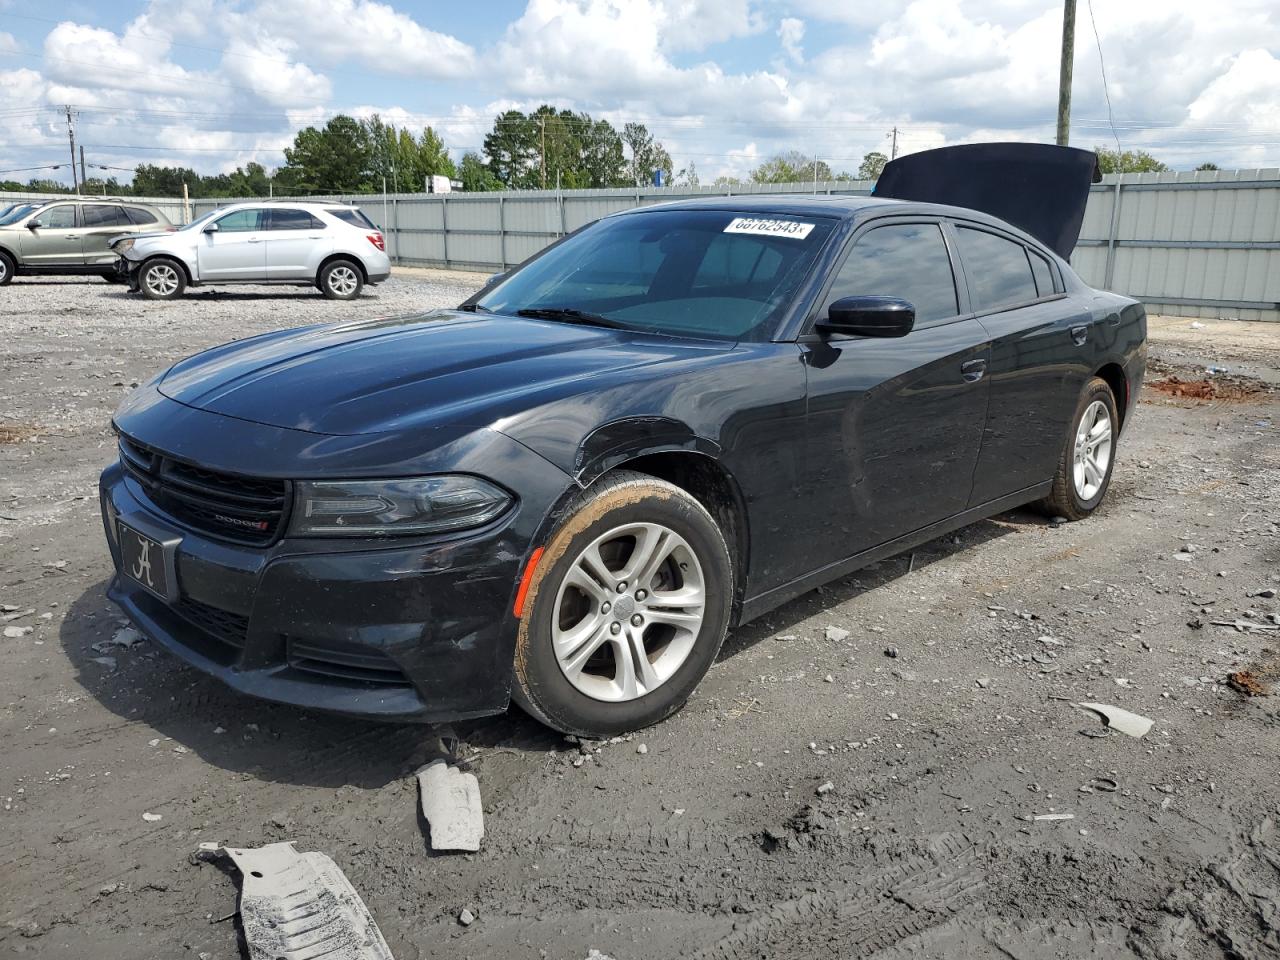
x,y
125,235
1039,188
411,372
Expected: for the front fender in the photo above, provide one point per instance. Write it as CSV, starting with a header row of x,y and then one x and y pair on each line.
x,y
621,440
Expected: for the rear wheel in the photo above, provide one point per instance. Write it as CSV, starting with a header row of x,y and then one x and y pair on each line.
x,y
340,280
1088,456
161,279
6,268
625,611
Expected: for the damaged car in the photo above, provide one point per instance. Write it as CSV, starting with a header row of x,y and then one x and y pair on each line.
x,y
567,490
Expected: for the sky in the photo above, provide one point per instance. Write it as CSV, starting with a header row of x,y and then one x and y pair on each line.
x,y
724,84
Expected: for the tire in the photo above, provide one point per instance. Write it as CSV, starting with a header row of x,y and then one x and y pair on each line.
x,y
162,279
1077,489
340,280
6,268
606,695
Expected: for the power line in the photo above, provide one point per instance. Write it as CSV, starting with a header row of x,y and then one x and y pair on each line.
x,y
1103,65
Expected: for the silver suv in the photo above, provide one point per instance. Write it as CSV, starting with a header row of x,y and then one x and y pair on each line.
x,y
335,247
70,236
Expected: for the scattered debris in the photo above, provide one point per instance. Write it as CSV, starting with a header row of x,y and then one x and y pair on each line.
x,y
13,613
124,638
642,748
837,634
108,662
1245,682
1053,816
1117,718
152,817
295,906
451,805
466,917
1100,785
825,788
1233,387
891,653
1267,593
14,633
1245,626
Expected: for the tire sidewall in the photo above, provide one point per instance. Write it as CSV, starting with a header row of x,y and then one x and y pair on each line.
x,y
332,294
1094,390
146,288
538,672
7,267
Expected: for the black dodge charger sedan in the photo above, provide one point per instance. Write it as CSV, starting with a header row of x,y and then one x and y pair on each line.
x,y
673,420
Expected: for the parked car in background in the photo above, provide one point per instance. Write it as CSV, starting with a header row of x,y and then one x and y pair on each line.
x,y
336,248
70,236
671,422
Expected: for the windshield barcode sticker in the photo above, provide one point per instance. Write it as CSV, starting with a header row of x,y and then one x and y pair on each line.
x,y
792,229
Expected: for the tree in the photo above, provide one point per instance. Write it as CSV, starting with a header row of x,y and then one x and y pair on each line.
x,y
603,162
150,180
336,159
647,155
791,167
1208,166
251,180
476,175
871,165
1128,161
512,148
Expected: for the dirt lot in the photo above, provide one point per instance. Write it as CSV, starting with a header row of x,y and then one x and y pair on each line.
x,y
943,720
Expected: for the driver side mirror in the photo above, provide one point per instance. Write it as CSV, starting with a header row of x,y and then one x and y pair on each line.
x,y
868,317
33,224
211,228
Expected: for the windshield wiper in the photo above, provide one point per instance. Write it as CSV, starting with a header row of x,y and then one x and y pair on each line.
x,y
570,315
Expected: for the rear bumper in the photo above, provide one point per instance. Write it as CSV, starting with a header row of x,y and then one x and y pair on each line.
x,y
379,277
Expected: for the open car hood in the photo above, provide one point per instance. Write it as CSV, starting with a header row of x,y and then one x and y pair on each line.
x,y
1037,187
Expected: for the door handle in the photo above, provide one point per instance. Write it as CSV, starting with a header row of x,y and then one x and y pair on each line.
x,y
71,236
973,370
254,239
1079,335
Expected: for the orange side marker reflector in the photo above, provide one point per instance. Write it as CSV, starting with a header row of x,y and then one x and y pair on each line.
x,y
525,580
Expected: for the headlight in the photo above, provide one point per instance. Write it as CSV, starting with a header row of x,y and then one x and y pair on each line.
x,y
391,507
120,246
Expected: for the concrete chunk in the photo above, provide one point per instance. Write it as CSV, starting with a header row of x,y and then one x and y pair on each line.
x,y
451,805
1117,718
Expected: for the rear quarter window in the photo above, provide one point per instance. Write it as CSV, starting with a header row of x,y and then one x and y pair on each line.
x,y
352,216
139,216
1042,272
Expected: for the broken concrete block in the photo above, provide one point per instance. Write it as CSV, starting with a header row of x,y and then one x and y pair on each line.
x,y
451,805
299,906
1117,718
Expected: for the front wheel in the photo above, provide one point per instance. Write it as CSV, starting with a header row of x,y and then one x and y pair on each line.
x,y
625,611
341,280
6,268
161,280
1088,456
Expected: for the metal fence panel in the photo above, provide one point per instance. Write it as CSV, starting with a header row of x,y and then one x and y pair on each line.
x,y
1200,243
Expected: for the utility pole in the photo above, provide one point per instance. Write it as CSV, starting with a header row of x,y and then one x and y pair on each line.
x,y
893,150
71,138
542,123
84,178
1064,71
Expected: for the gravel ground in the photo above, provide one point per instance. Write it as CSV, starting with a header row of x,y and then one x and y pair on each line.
x,y
932,692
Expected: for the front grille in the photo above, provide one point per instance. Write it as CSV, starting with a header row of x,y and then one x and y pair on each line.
x,y
334,659
225,505
230,628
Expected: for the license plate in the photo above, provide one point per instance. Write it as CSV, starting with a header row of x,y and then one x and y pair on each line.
x,y
149,562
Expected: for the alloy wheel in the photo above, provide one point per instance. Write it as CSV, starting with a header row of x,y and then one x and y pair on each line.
x,y
4,269
162,279
629,612
342,281
1092,455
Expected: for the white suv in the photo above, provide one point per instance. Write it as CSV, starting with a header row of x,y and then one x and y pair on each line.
x,y
335,247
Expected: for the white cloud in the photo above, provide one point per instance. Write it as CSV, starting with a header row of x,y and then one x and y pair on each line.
x,y
267,66
366,32
791,35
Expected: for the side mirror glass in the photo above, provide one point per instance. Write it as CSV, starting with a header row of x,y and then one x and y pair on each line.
x,y
494,278
869,317
33,224
211,228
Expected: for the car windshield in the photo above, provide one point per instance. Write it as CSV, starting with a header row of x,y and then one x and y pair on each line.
x,y
696,273
14,214
198,221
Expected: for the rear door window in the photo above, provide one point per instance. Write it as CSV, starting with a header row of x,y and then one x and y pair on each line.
x,y
241,221
997,268
104,215
907,260
352,216
292,220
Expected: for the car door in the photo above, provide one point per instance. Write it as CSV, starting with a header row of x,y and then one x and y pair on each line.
x,y
52,237
296,243
233,247
101,222
1036,368
894,424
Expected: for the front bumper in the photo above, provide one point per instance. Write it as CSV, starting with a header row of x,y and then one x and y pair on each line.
x,y
407,630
